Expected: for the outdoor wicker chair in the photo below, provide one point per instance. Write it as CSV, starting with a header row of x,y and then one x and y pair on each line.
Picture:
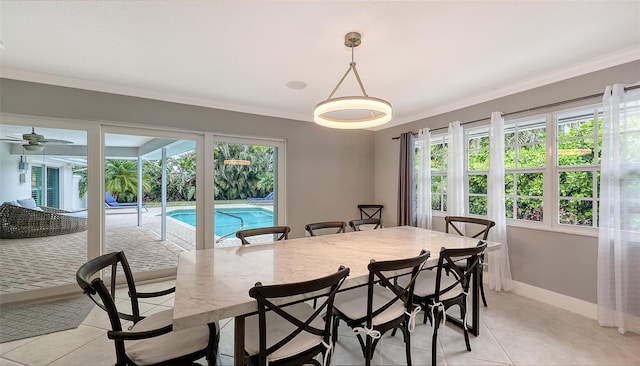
x,y
20,222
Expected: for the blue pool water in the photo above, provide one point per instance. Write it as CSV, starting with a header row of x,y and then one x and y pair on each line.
x,y
227,220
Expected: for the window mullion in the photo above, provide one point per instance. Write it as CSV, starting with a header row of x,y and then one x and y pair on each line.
x,y
549,189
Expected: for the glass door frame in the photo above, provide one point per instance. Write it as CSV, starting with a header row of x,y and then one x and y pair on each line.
x,y
201,186
280,206
90,129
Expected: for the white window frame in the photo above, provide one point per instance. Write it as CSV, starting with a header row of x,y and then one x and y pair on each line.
x,y
470,133
551,190
439,139
593,168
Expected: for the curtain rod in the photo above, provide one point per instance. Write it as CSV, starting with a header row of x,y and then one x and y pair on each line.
x,y
530,109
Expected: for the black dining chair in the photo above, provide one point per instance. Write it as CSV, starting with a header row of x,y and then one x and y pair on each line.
x,y
380,306
436,292
281,231
453,222
150,340
370,211
296,333
374,222
316,227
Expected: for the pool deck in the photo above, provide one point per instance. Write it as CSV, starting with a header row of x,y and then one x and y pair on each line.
x,y
37,263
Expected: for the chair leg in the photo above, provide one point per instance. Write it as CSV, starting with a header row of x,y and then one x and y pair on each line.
x,y
463,313
407,344
480,279
334,335
434,338
368,352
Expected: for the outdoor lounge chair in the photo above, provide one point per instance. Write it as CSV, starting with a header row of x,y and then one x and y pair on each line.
x,y
112,203
268,197
17,222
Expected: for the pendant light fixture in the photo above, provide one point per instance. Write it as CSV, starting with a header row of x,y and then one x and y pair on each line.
x,y
352,112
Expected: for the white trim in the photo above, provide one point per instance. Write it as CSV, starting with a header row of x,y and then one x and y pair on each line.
x,y
613,59
577,306
57,80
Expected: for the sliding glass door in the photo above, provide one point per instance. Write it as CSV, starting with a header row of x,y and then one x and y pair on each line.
x,y
43,234
248,181
150,197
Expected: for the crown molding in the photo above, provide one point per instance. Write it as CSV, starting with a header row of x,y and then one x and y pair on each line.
x,y
613,59
57,80
610,60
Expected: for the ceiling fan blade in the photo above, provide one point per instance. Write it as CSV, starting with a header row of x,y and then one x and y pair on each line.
x,y
56,142
14,140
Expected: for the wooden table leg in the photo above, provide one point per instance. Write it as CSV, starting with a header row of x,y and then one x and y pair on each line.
x,y
238,354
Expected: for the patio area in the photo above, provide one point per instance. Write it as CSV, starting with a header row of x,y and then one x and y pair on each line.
x,y
37,263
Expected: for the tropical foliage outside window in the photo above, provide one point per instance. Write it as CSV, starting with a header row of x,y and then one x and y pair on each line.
x,y
573,165
524,162
579,139
232,182
439,155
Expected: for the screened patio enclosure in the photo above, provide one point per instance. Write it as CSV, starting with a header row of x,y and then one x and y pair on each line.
x,y
135,170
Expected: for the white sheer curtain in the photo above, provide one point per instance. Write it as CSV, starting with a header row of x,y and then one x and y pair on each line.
x,y
455,170
619,236
499,269
424,178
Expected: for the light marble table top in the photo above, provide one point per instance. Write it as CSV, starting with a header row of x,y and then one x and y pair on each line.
x,y
214,284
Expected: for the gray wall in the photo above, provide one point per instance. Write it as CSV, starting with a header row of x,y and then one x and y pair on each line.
x,y
328,171
554,261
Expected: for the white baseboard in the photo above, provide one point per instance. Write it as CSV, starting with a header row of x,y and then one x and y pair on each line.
x,y
565,302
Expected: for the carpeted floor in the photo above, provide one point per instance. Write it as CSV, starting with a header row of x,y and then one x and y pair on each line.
x,y
17,322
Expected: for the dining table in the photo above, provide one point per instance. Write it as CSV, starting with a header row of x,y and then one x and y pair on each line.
x,y
213,284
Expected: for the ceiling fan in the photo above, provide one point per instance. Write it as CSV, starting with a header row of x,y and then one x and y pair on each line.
x,y
34,142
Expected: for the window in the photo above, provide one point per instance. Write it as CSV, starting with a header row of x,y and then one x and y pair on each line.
x,y
578,141
552,169
439,156
45,186
524,162
477,171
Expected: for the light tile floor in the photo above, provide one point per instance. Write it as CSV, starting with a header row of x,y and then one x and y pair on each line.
x,y
514,331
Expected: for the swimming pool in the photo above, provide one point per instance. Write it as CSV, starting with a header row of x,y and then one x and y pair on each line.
x,y
228,220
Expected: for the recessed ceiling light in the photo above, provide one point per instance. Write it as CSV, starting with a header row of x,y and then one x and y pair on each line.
x,y
296,85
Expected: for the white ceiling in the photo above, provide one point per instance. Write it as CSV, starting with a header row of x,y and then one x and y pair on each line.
x,y
425,57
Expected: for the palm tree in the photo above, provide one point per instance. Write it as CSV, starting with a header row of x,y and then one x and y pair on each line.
x,y
121,178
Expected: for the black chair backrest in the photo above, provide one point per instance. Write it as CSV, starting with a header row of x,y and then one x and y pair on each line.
x,y
340,225
282,231
483,234
461,263
107,294
355,224
265,294
370,211
383,273
92,285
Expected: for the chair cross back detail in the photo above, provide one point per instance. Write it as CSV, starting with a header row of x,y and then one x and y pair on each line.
x,y
340,225
264,294
282,231
483,234
355,224
450,261
377,271
370,211
394,305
